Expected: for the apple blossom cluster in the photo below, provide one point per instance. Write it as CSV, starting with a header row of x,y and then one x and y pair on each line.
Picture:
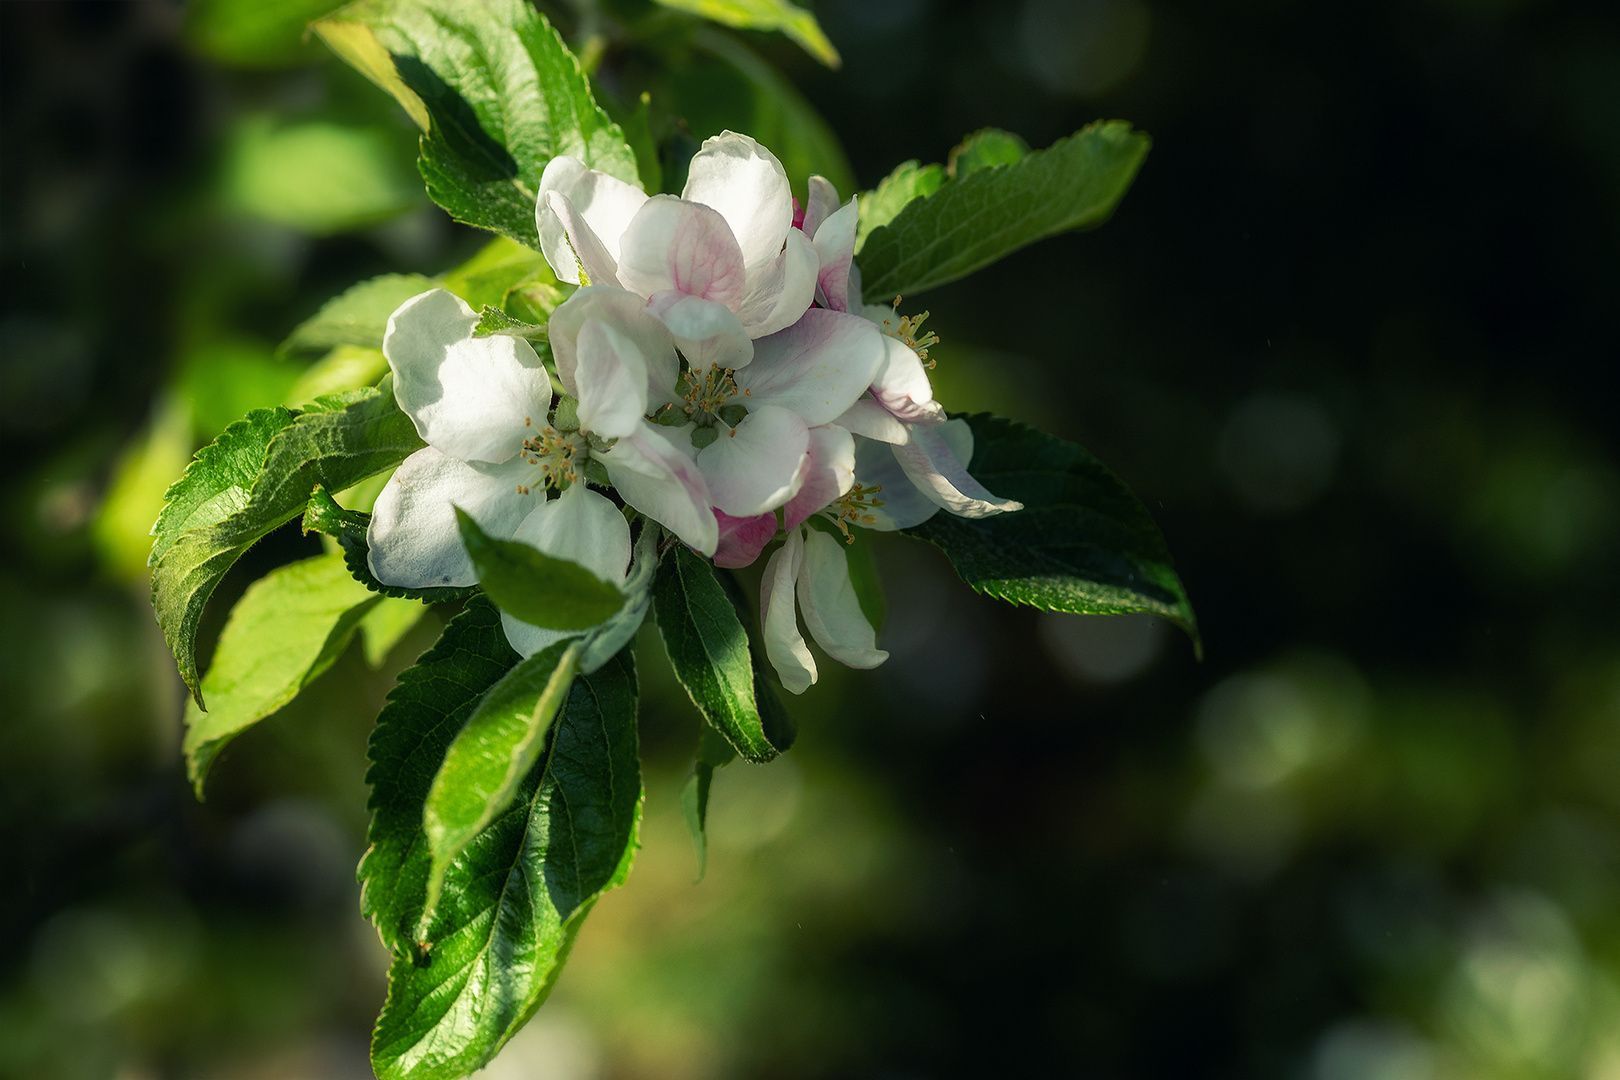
x,y
716,370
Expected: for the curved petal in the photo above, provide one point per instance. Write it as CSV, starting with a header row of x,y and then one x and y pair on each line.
x,y
570,245
742,539
832,612
756,466
413,537
709,334
821,204
656,478
817,367
527,639
745,183
612,379
779,621
623,310
934,465
678,245
835,251
902,385
783,289
829,473
902,505
866,417
605,202
471,398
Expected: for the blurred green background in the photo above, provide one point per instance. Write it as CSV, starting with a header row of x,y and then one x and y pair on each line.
x,y
1351,337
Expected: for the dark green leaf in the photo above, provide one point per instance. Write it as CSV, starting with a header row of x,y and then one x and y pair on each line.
x,y
492,754
335,445
908,181
798,24
713,752
535,587
1083,542
984,149
357,316
493,320
288,628
971,222
216,483
513,903
501,93
348,528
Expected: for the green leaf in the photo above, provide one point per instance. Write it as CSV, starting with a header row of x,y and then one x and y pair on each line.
x,y
345,368
348,527
501,93
317,177
709,650
971,222
713,752
798,24
535,587
123,529
514,902
254,33
492,754
216,483
493,320
386,625
985,149
288,628
1083,542
357,316
500,268
339,445
878,207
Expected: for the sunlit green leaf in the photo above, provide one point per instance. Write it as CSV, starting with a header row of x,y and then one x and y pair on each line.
x,y
347,367
908,181
288,628
985,149
122,529
493,320
500,267
1083,542
216,483
385,626
357,316
536,587
225,377
971,222
797,23
492,754
317,177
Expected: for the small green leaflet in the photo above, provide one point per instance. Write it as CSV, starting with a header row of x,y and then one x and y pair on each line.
x,y
215,484
713,752
1082,544
499,91
492,754
798,24
492,320
340,442
514,901
288,628
348,528
994,210
356,316
708,648
984,149
878,207
535,587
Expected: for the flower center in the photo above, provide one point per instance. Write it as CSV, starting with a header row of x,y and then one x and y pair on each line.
x,y
559,455
855,508
706,399
909,330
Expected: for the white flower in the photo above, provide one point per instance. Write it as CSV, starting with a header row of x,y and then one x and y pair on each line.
x,y
812,569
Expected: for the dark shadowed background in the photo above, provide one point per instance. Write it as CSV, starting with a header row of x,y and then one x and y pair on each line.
x,y
1351,337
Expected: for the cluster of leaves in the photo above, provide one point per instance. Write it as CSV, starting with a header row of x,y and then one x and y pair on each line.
x,y
506,793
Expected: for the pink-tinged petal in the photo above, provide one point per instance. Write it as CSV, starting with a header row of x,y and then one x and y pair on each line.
x,y
413,539
742,539
902,504
783,290
817,367
570,245
657,479
823,202
605,202
832,611
756,465
582,527
468,397
748,186
779,619
708,334
901,385
678,245
835,251
866,417
829,473
935,465
623,310
612,380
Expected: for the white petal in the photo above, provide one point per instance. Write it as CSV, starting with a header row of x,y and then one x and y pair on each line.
x,y
414,540
605,202
867,417
756,466
817,367
748,186
654,476
678,245
855,301
902,385
822,202
709,334
742,539
828,474
571,245
527,639
835,251
623,310
783,289
468,397
612,380
779,620
903,505
931,461
832,611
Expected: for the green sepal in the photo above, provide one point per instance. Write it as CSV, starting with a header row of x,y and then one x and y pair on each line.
x,y
535,587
